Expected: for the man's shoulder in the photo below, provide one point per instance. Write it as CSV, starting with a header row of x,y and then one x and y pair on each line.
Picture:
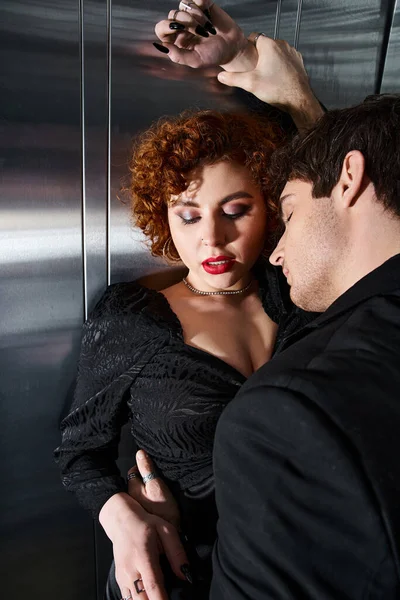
x,y
360,344
347,370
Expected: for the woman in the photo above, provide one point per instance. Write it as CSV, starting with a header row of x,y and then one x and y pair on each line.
x,y
170,361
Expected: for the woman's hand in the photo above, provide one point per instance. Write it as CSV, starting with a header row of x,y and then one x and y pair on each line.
x,y
201,34
154,495
138,539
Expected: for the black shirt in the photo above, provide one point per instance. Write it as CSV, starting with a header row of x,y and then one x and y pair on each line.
x,y
306,459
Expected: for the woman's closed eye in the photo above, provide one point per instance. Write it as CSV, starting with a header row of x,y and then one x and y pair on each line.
x,y
230,214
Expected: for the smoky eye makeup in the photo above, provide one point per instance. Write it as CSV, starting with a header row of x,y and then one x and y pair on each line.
x,y
188,217
236,210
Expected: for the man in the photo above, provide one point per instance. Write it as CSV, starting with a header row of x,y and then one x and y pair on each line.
x,y
307,455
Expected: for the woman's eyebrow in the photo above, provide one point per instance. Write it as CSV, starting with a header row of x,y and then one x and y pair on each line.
x,y
234,196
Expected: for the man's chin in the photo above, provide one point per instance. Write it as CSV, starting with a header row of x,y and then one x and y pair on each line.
x,y
300,301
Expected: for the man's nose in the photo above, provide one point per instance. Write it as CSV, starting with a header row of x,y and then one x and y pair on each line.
x,y
278,254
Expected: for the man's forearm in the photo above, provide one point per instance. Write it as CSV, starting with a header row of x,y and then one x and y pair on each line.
x,y
305,111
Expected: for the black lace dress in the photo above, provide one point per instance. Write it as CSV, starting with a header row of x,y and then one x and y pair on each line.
x,y
135,365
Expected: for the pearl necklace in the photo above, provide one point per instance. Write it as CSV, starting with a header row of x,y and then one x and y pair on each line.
x,y
220,293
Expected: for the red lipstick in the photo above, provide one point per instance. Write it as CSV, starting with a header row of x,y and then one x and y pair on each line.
x,y
215,265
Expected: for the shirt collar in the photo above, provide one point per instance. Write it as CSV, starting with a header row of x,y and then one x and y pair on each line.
x,y
380,281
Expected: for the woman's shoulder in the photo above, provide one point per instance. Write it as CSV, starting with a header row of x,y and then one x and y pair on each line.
x,y
122,298
130,304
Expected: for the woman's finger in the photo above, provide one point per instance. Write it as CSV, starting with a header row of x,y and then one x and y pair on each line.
x,y
153,487
194,9
152,581
168,30
174,550
181,56
197,17
135,484
125,592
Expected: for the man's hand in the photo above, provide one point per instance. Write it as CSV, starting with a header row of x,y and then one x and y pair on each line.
x,y
280,79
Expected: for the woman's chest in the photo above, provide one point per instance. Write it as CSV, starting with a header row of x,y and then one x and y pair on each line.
x,y
242,336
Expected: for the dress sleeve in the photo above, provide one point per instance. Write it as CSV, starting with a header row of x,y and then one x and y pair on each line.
x,y
115,346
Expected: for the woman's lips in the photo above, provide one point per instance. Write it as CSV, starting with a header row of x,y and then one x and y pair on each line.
x,y
218,264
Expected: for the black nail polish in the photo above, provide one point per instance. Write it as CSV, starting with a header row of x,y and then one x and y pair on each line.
x,y
207,13
210,28
201,31
175,25
187,573
160,48
183,537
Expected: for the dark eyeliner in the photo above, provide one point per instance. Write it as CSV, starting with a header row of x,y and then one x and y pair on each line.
x,y
189,221
234,216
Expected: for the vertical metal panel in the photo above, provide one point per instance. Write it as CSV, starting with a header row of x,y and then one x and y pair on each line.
x,y
48,541
277,19
391,73
94,129
147,85
341,45
288,19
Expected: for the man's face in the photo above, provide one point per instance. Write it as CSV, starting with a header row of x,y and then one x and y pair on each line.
x,y
311,250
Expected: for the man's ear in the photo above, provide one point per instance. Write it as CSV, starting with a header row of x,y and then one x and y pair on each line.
x,y
352,178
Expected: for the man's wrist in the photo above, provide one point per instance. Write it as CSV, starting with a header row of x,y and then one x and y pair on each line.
x,y
305,111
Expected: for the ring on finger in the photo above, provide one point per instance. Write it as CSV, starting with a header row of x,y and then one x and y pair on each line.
x,y
186,5
149,477
132,476
174,15
257,36
127,597
138,589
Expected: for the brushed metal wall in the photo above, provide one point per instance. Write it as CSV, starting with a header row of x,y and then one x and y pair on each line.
x,y
78,80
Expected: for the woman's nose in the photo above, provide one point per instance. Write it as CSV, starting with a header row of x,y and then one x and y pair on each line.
x,y
213,234
278,254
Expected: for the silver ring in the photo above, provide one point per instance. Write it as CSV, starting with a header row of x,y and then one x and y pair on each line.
x,y
138,589
132,476
185,5
257,36
174,15
127,598
149,477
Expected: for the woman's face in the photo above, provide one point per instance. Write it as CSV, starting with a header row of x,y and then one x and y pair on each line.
x,y
218,226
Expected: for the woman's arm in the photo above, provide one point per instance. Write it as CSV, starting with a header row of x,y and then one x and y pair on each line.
x,y
272,70
112,348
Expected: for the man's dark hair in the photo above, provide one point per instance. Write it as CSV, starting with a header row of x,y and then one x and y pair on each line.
x,y
372,127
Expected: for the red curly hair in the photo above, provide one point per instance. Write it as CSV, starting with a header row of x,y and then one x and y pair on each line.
x,y
165,155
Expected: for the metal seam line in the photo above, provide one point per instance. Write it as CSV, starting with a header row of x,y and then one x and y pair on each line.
x,y
277,18
83,162
108,176
297,28
392,8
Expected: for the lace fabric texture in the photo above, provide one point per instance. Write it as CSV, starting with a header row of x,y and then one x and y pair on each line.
x,y
134,365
